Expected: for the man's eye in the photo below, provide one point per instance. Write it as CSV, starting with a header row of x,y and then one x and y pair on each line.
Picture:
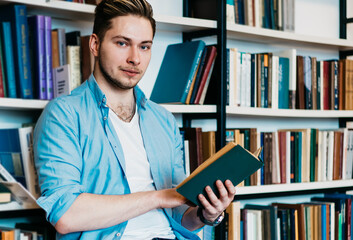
x,y
145,47
121,43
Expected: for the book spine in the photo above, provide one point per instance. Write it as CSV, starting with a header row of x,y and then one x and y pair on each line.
x,y
193,72
20,28
36,27
73,57
6,35
62,46
48,58
2,73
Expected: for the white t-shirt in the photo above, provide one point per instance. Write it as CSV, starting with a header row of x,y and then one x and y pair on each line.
x,y
153,223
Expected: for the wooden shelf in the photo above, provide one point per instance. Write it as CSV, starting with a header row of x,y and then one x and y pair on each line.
x,y
287,113
294,187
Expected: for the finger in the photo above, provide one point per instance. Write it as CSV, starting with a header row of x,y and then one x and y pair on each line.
x,y
206,204
230,187
211,196
223,192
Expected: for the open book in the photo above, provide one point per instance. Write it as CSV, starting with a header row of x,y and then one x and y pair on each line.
x,y
232,162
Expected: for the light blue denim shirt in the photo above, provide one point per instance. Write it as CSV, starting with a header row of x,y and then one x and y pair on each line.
x,y
77,151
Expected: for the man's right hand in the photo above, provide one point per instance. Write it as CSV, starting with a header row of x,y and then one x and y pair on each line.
x,y
170,198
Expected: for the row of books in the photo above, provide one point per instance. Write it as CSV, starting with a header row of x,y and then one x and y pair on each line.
x,y
28,231
189,74
270,14
289,155
31,49
286,81
185,74
327,217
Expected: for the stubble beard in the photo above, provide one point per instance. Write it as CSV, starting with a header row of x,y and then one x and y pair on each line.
x,y
113,81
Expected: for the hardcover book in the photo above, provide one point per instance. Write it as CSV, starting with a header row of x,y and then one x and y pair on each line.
x,y
177,72
232,162
17,15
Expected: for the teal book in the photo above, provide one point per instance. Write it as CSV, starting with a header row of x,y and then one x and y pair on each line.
x,y
7,47
17,15
177,72
283,83
232,162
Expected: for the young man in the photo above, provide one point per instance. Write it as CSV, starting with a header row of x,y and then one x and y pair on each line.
x,y
109,159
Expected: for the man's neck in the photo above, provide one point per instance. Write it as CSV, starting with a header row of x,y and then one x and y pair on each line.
x,y
120,101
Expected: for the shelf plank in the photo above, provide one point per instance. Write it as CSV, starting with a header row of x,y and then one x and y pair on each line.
x,y
287,113
22,104
293,187
269,36
175,108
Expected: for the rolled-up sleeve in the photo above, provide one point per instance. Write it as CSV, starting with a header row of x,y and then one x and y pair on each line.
x,y
58,159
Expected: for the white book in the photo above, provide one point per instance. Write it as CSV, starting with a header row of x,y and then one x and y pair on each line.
x,y
349,155
26,141
238,80
276,176
306,140
330,143
243,84
247,79
74,60
275,72
230,11
62,80
344,153
257,15
232,76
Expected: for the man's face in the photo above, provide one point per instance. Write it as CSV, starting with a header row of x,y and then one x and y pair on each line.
x,y
125,51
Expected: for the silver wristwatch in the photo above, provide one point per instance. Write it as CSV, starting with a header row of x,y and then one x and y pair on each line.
x,y
205,221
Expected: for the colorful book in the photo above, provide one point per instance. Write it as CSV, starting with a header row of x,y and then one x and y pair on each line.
x,y
36,27
232,162
17,15
7,46
48,57
177,71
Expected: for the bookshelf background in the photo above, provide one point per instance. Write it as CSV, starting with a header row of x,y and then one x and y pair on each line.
x,y
315,35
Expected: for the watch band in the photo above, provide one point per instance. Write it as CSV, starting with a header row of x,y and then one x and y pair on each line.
x,y
205,221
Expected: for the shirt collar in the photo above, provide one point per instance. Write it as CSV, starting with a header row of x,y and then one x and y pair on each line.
x,y
100,96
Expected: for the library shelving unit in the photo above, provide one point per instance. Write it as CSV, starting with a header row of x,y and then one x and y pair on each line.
x,y
193,28
263,36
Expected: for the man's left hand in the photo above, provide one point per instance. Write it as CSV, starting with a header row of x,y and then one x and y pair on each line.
x,y
215,206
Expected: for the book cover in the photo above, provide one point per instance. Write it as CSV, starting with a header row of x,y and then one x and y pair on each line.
x,y
7,47
177,71
37,49
17,15
2,74
232,162
61,79
48,57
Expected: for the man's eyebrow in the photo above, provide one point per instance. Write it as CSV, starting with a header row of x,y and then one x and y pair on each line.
x,y
129,39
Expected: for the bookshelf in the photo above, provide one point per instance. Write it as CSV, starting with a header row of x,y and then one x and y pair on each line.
x,y
226,32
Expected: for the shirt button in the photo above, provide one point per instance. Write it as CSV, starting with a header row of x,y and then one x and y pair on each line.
x,y
118,234
105,118
103,99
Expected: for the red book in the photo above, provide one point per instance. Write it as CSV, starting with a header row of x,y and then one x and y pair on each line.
x,y
326,80
205,78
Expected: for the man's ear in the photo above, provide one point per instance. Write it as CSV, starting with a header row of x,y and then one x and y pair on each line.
x,y
94,44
